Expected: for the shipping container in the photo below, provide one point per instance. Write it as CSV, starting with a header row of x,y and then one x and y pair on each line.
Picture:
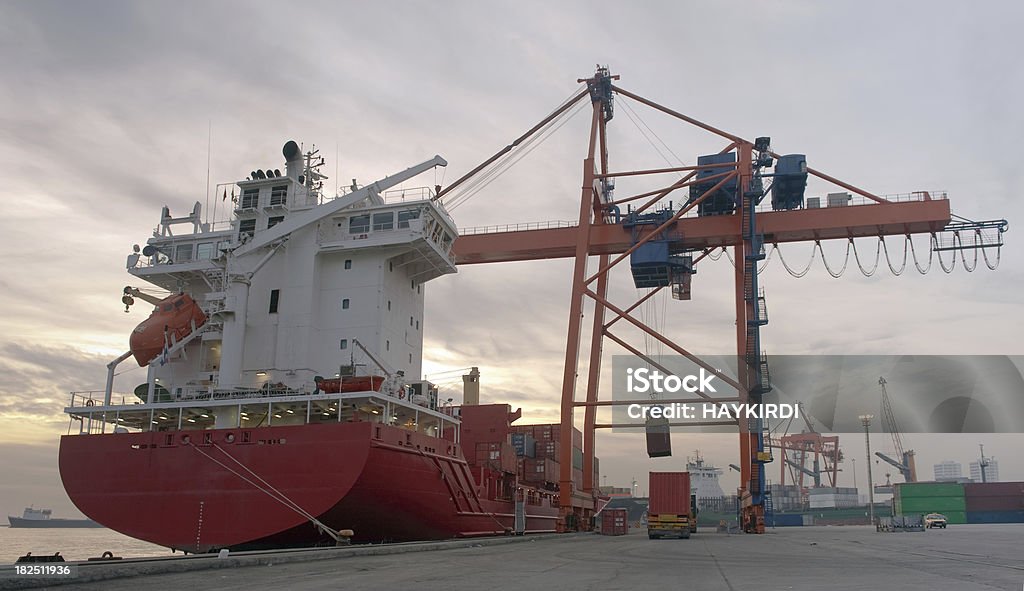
x,y
929,489
524,444
930,505
1012,503
614,522
659,440
548,449
577,458
540,470
669,493
496,456
994,489
995,517
785,520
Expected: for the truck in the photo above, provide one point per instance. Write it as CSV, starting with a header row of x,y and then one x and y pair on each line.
x,y
672,509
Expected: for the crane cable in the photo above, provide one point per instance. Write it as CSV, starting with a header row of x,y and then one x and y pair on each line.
x,y
634,117
500,166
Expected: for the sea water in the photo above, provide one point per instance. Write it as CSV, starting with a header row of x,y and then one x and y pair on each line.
x,y
72,543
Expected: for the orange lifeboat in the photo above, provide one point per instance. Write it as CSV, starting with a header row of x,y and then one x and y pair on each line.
x,y
351,384
170,322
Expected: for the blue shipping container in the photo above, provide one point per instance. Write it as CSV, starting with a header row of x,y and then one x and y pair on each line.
x,y
785,520
995,517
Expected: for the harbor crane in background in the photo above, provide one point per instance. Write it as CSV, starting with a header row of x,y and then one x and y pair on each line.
x,y
810,446
662,242
905,464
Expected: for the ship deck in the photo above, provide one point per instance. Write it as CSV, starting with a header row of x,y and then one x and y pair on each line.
x,y
963,557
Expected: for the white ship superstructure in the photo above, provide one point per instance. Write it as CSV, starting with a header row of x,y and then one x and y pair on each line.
x,y
295,280
704,478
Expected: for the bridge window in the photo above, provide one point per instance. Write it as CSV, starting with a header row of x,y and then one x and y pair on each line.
x,y
278,195
204,251
246,228
359,224
275,298
183,253
277,219
344,343
348,263
344,304
250,197
383,221
404,218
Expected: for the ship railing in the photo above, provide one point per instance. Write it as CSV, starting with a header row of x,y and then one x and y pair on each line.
x,y
546,225
191,395
82,398
412,194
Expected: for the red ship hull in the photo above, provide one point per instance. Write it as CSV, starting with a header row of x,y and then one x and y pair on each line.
x,y
383,482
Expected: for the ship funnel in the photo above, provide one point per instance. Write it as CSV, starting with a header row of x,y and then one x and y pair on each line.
x,y
471,387
293,158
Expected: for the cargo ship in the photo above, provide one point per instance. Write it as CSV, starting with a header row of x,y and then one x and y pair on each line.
x,y
43,518
282,403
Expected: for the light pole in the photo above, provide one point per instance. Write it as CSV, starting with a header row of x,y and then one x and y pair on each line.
x,y
866,421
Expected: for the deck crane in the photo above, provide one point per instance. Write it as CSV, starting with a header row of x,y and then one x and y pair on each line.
x,y
723,213
905,464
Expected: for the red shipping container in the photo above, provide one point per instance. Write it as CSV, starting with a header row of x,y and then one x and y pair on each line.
x,y
669,493
615,522
548,449
540,470
1015,503
993,489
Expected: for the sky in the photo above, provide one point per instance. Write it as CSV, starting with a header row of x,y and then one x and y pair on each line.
x,y
111,110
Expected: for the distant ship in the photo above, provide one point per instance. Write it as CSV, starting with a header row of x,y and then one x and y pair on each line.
x,y
43,518
704,478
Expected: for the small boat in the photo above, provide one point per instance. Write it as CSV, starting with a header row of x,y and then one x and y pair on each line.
x,y
351,384
174,318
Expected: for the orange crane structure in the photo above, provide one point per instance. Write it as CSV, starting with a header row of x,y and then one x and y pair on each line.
x,y
664,245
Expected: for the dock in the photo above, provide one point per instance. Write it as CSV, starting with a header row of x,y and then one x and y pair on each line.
x,y
963,558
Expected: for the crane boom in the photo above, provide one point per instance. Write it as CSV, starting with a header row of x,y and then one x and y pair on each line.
x,y
905,464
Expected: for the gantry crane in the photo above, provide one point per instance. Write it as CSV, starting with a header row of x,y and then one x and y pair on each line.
x,y
822,451
905,463
666,245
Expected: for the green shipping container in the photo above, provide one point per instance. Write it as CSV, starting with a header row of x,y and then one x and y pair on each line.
x,y
955,516
931,505
929,489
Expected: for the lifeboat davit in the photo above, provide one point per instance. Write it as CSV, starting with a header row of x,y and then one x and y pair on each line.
x,y
170,322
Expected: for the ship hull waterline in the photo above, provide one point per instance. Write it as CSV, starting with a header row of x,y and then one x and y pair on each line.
x,y
256,488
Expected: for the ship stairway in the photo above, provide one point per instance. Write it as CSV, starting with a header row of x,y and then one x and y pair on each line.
x,y
460,486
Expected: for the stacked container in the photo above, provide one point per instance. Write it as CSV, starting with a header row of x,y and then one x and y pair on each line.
x,y
541,447
524,444
496,456
921,498
995,502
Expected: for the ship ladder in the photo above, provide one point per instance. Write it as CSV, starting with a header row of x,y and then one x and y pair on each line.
x,y
272,492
